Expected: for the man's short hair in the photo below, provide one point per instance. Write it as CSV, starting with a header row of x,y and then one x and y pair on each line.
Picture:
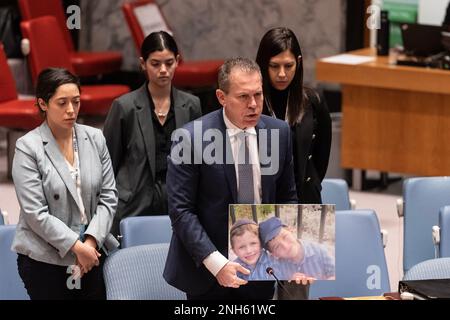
x,y
243,64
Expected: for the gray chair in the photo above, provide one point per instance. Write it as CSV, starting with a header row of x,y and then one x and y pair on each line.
x,y
136,231
422,199
444,225
361,268
136,273
429,269
11,285
335,191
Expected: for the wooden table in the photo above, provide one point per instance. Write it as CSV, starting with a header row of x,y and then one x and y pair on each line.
x,y
395,118
386,296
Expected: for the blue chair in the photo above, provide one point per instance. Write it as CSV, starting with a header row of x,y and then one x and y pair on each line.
x,y
141,230
361,268
11,285
422,199
137,274
335,191
444,224
429,269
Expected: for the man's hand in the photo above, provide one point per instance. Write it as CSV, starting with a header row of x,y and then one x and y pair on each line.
x,y
227,276
301,278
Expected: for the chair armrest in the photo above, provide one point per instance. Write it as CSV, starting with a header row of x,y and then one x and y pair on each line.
x,y
384,237
400,207
4,213
25,46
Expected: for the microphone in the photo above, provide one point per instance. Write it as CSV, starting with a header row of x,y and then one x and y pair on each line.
x,y
270,272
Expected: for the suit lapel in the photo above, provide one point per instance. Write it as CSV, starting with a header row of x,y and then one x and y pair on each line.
x,y
56,157
230,171
146,126
84,154
181,112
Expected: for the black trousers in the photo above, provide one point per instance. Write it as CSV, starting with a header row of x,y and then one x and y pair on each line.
x,y
254,290
45,281
159,206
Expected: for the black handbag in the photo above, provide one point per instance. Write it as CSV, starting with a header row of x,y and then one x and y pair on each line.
x,y
10,34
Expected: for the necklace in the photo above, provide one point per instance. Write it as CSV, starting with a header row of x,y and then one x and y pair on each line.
x,y
161,114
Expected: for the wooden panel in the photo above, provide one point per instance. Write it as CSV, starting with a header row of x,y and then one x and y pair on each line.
x,y
396,131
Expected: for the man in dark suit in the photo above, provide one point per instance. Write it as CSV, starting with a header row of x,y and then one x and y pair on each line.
x,y
233,155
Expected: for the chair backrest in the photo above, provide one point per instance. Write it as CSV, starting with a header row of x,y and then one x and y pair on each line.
x,y
143,17
429,269
444,224
31,9
11,285
7,84
335,191
423,197
137,274
361,268
47,48
141,230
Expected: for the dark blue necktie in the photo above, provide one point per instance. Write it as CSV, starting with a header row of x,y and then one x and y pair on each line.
x,y
245,172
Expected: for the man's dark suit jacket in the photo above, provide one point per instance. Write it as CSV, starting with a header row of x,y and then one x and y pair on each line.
x,y
199,196
131,143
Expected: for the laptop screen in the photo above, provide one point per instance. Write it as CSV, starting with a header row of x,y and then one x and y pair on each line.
x,y
421,40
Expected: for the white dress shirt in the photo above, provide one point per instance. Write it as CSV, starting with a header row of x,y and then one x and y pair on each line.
x,y
216,261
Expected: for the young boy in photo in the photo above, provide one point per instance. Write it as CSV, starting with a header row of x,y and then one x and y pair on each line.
x,y
245,243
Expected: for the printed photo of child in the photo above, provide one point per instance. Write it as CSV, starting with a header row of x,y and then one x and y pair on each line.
x,y
282,239
246,245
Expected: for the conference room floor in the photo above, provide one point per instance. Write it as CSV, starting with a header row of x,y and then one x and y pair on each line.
x,y
382,201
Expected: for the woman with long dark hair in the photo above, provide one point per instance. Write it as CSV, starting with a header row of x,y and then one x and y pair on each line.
x,y
285,97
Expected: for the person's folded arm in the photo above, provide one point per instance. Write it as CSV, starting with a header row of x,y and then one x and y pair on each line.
x,y
102,218
32,200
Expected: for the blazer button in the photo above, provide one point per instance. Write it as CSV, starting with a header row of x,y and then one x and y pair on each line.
x,y
308,179
314,136
56,197
309,157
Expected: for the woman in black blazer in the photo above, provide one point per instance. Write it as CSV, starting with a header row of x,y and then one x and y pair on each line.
x,y
280,59
138,130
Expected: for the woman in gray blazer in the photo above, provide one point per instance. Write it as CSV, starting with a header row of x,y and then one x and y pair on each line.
x,y
138,130
66,190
